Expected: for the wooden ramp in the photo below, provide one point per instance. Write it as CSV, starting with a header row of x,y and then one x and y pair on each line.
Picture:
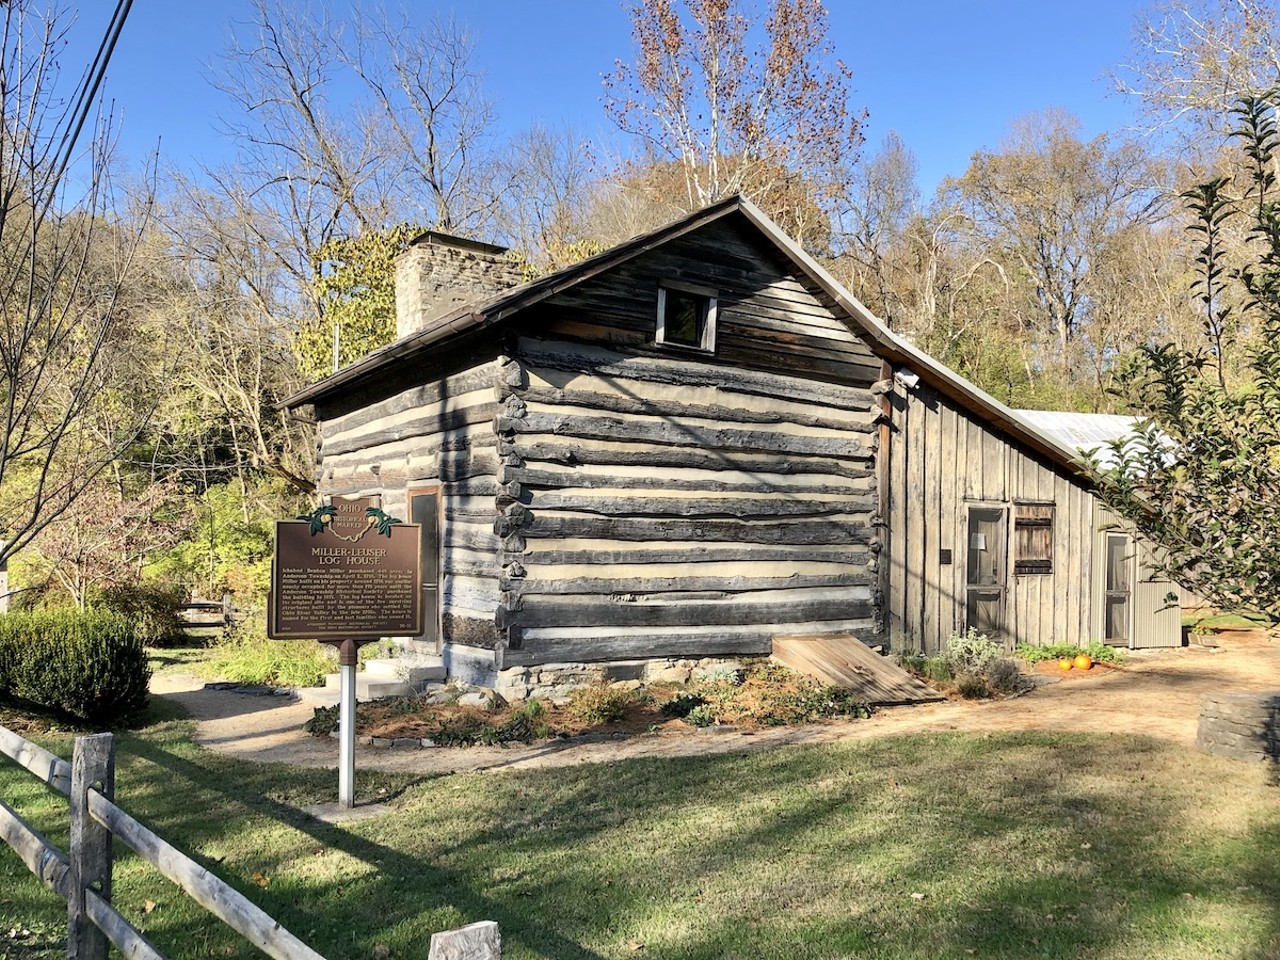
x,y
845,661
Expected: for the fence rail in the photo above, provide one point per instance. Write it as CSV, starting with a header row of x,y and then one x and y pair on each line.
x,y
83,879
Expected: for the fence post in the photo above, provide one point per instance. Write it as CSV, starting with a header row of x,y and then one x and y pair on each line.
x,y
92,767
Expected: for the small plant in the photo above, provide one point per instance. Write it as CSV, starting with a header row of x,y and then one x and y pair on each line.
x,y
972,686
682,704
722,673
970,652
599,704
703,715
1097,652
1003,676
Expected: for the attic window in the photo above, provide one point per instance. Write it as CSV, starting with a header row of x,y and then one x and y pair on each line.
x,y
687,318
1033,538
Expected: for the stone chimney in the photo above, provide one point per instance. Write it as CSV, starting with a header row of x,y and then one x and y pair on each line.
x,y
439,273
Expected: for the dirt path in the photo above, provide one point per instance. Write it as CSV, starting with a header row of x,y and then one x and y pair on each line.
x,y
1155,693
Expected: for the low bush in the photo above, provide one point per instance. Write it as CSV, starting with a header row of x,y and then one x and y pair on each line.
x,y
88,665
973,686
1004,676
1098,652
599,704
153,610
971,652
681,705
246,655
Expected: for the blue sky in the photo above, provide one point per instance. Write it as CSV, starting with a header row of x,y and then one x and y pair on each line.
x,y
948,76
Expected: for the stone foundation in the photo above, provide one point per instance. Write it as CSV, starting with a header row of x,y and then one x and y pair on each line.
x,y
556,681
1240,725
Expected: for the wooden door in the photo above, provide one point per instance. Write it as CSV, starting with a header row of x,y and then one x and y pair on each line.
x,y
424,509
985,571
1117,603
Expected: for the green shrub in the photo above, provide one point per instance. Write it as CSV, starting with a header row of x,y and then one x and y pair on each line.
x,y
599,704
970,652
153,610
703,715
1097,651
246,655
89,665
681,705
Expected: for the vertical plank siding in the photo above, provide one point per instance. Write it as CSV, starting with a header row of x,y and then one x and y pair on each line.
x,y
942,460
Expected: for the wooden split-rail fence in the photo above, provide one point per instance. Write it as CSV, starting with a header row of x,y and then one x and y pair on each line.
x,y
83,878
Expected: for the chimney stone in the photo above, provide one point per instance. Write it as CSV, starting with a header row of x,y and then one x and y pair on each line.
x,y
438,273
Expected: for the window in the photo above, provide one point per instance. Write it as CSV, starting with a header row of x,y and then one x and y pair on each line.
x,y
1033,538
687,318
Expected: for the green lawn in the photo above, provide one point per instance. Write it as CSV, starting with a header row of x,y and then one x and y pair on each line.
x,y
1019,845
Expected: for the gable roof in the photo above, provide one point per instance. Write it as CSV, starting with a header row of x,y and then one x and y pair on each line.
x,y
467,320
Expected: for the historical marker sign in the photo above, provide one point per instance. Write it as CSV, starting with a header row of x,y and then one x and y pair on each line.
x,y
346,572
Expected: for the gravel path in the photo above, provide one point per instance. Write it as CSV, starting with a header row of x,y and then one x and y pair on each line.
x,y
1156,693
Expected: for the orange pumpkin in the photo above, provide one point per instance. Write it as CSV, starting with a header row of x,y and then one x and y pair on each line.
x,y
1065,663
1083,661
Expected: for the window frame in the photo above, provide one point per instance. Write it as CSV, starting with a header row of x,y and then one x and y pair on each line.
x,y
1029,516
711,312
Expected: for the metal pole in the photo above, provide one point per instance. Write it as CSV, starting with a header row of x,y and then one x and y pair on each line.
x,y
347,725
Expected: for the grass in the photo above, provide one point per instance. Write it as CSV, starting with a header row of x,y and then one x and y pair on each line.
x,y
1222,621
1013,845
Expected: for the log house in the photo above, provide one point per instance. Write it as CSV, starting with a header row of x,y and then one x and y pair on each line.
x,y
693,443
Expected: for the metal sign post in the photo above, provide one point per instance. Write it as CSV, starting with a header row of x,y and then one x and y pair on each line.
x,y
348,654
346,574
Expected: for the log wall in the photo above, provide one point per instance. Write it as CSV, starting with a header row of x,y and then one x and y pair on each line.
x,y
660,502
437,432
942,460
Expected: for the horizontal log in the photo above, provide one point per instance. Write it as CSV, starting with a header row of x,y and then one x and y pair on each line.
x,y
570,453
212,893
403,453
538,611
603,362
746,508
763,484
746,640
439,423
708,437
533,652
610,553
475,536
830,531
606,586
806,415
467,381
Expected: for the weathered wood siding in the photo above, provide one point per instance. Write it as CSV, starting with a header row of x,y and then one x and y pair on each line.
x,y
942,460
436,432
666,503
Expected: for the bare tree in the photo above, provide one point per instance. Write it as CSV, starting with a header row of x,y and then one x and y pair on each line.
x,y
65,259
1193,59
1048,202
774,120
